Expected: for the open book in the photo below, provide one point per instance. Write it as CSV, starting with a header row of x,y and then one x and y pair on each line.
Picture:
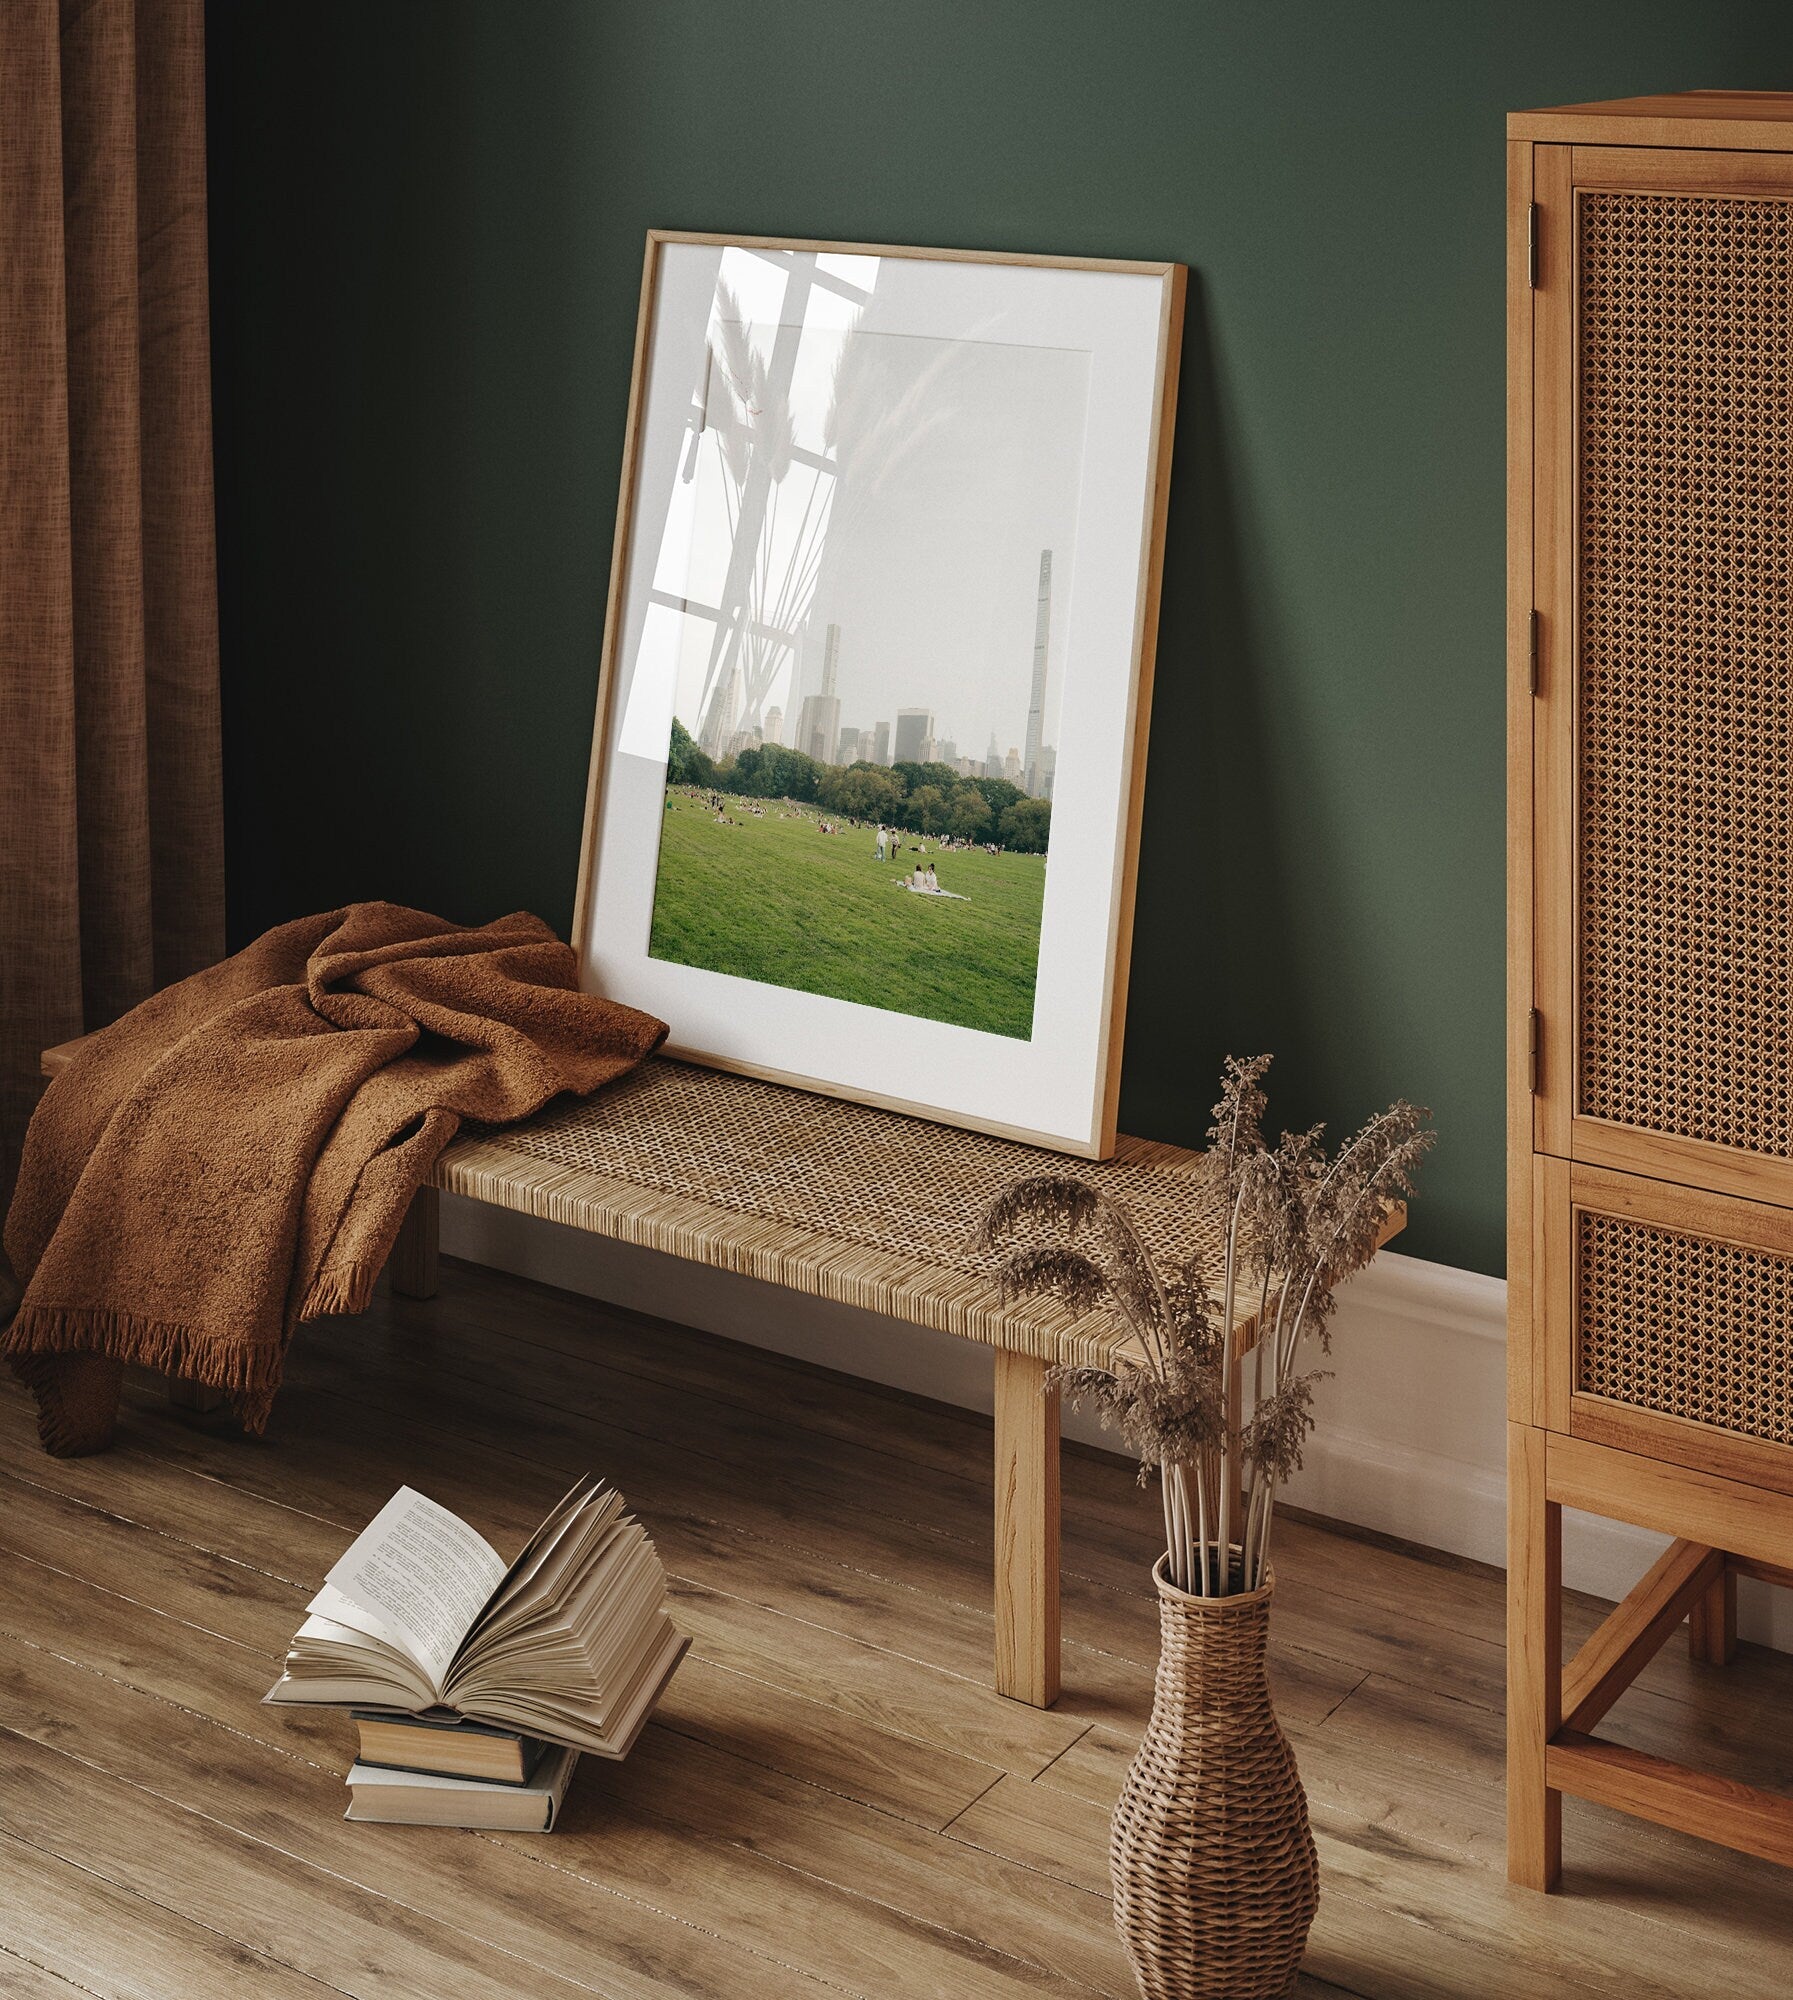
x,y
571,1643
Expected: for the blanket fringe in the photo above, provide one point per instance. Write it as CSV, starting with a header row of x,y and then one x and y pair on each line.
x,y
340,1290
249,1376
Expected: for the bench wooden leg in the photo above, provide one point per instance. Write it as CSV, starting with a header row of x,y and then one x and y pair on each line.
x,y
412,1265
1027,1516
1712,1623
197,1398
1534,1662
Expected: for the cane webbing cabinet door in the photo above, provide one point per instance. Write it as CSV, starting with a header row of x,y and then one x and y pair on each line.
x,y
1650,908
1668,1324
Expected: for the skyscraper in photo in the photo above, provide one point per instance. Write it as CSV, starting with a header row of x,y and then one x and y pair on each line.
x,y
914,732
818,727
1036,707
774,730
881,744
993,758
818,721
724,713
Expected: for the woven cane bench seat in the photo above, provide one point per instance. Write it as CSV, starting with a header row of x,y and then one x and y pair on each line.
x,y
843,1201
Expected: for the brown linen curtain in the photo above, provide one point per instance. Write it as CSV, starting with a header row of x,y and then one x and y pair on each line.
x,y
111,838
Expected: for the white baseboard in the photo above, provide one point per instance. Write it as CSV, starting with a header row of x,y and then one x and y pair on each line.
x,y
1411,1438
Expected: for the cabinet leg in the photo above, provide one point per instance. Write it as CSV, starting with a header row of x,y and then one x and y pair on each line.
x,y
1027,1518
1712,1623
1534,1661
412,1265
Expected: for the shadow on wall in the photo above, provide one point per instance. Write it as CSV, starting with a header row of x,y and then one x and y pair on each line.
x,y
1214,967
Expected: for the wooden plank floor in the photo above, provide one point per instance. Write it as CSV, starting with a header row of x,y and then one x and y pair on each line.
x,y
831,1800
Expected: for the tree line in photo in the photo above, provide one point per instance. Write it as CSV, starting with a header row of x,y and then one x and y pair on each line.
x,y
920,798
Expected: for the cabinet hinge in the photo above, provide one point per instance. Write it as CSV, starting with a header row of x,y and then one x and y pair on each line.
x,y
1531,246
1537,1045
1534,653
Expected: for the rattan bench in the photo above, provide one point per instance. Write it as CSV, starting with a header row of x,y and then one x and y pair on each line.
x,y
842,1201
866,1207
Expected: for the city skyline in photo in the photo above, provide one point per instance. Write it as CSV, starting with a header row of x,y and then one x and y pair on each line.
x,y
818,724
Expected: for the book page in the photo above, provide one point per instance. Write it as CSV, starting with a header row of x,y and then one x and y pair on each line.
x,y
560,1519
423,1575
538,1573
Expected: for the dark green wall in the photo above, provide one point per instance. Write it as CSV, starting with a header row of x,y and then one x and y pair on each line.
x,y
427,224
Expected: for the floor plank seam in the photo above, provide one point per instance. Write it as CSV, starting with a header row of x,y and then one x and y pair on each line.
x,y
1361,1681
230,1486
124,1597
303,1862
1080,1737
982,1948
163,1701
871,1646
49,1971
1392,1841
888,1728
1333,1986
817,1560
969,1803
672,1916
1032,1867
774,1544
181,1916
908,1919
1393,1680
149,1528
1563,1988
689,1735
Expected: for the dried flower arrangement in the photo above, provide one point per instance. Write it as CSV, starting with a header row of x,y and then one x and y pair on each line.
x,y
1297,1225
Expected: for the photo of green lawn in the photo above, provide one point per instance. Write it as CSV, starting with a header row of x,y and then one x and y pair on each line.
x,y
760,890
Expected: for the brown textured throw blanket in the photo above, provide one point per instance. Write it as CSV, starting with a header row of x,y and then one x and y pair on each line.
x,y
237,1154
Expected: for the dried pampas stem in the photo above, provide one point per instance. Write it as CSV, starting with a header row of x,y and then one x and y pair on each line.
x,y
1297,1227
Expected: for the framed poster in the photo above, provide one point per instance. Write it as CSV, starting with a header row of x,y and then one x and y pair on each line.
x,y
871,730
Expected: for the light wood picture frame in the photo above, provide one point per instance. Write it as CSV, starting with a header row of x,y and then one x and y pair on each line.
x,y
869,754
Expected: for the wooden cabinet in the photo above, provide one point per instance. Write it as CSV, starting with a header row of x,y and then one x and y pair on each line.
x,y
1650,909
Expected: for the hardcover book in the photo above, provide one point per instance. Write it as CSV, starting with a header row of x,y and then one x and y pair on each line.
x,y
422,1798
446,1745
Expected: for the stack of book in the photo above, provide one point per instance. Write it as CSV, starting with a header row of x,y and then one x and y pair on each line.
x,y
477,1687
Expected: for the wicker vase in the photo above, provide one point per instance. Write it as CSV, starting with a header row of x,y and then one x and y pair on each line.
x,y
1215,1878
